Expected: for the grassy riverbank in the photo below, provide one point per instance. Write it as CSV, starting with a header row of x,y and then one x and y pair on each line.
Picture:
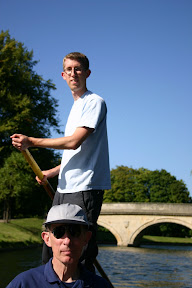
x,y
166,240
23,233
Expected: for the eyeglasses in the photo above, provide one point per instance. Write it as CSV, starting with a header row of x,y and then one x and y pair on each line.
x,y
77,70
73,230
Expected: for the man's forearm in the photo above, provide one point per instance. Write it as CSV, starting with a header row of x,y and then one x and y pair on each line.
x,y
69,142
55,143
52,172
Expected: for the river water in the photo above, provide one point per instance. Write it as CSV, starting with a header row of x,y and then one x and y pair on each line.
x,y
149,266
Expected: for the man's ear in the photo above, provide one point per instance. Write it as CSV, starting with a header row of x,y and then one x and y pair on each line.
x,y
88,73
46,238
63,75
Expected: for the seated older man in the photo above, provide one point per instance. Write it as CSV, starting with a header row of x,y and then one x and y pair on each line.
x,y
67,234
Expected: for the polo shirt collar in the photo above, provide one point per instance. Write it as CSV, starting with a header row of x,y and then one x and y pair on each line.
x,y
49,273
86,277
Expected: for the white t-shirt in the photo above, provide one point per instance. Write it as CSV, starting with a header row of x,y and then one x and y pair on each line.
x,y
87,167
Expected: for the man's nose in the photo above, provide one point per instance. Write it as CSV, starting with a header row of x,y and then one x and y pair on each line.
x,y
66,238
73,72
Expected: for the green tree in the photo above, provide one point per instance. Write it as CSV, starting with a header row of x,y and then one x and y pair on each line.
x,y
143,185
122,180
166,188
15,179
20,191
27,107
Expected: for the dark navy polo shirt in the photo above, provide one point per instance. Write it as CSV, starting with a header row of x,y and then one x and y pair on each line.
x,y
45,277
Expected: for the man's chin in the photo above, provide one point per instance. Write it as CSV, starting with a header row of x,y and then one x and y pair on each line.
x,y
67,260
74,88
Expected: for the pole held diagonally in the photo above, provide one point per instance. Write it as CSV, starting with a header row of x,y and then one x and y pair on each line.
x,y
49,189
38,172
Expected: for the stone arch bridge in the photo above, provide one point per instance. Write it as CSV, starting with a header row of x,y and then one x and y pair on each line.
x,y
128,221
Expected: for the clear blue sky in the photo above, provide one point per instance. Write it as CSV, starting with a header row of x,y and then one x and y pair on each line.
x,y
140,54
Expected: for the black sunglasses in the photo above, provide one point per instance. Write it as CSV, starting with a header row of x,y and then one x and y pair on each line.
x,y
73,230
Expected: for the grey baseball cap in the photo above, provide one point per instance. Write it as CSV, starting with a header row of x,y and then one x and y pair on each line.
x,y
66,213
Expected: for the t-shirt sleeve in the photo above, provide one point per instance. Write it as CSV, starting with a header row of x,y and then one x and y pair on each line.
x,y
93,113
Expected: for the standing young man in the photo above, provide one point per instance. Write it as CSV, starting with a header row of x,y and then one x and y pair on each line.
x,y
84,171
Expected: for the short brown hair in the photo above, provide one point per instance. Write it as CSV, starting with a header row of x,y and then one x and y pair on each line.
x,y
79,57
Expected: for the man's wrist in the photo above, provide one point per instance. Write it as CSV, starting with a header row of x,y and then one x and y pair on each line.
x,y
31,141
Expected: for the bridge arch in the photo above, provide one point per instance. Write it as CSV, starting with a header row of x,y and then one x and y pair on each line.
x,y
138,234
112,229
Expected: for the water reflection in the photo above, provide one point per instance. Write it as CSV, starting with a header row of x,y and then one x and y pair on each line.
x,y
159,266
15,262
152,267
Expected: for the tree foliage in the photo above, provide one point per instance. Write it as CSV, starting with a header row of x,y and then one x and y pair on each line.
x,y
26,107
143,185
20,193
15,180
